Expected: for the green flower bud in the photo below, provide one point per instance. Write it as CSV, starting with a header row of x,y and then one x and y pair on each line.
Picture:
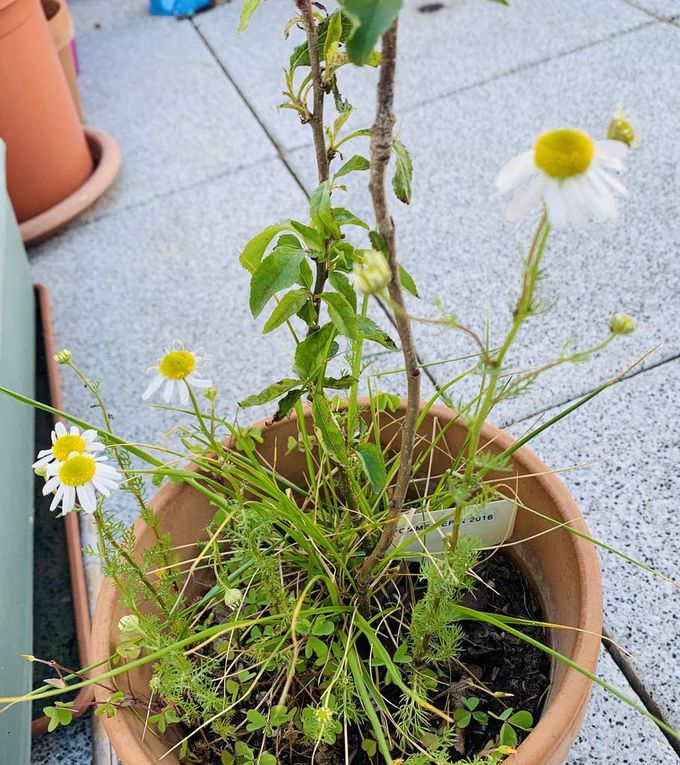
x,y
620,129
210,393
232,597
621,324
129,623
372,274
63,356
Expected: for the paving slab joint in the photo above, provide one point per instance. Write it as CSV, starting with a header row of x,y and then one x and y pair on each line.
x,y
621,660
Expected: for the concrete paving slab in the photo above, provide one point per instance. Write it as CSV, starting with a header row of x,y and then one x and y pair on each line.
x,y
664,9
455,242
134,76
629,497
90,16
126,286
464,43
612,732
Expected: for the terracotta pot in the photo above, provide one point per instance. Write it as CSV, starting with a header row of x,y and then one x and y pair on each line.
x,y
61,28
562,568
47,154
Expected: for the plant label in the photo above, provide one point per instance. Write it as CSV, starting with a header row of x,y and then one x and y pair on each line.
x,y
423,531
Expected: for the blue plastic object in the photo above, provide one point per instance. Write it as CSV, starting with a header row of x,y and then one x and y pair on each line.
x,y
178,8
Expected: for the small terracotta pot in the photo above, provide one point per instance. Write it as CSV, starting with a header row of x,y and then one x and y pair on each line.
x,y
61,28
562,568
47,154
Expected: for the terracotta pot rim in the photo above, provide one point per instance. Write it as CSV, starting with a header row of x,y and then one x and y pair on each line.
x,y
107,157
59,22
565,707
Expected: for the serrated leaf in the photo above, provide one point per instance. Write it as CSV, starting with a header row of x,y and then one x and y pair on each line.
x,y
333,33
253,251
310,236
369,330
300,56
402,179
343,285
357,163
339,383
329,433
279,270
407,282
310,352
269,393
372,18
321,212
346,217
373,465
341,313
288,306
247,10
287,403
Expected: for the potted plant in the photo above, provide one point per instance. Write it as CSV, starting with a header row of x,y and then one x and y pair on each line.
x,y
357,579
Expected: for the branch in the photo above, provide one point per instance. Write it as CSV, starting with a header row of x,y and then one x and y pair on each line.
x,y
381,150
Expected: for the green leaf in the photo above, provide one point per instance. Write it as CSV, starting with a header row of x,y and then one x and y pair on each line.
x,y
243,750
343,285
256,720
310,353
341,313
522,720
462,717
287,403
401,655
247,11
373,465
288,306
322,627
471,703
403,172
356,164
267,759
369,330
372,18
329,433
333,33
310,236
507,736
321,212
300,56
345,217
407,282
369,746
252,253
339,383
269,393
276,272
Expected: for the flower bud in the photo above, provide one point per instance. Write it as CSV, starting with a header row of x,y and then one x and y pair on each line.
x,y
621,324
372,274
620,129
129,623
63,356
210,393
232,597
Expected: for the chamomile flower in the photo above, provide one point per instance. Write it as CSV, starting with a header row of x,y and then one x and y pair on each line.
x,y
175,371
65,442
78,479
566,169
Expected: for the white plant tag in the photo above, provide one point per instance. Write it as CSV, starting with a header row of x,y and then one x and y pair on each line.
x,y
492,524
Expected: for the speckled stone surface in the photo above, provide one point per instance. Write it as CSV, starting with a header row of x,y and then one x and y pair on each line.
x,y
65,746
663,9
463,44
630,497
455,242
134,77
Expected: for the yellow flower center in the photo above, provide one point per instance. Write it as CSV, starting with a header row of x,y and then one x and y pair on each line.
x,y
65,445
77,470
177,365
564,153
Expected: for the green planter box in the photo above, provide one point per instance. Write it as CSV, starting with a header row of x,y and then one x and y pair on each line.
x,y
17,360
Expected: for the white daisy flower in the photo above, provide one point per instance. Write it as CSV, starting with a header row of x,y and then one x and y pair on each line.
x,y
175,371
566,169
78,480
65,442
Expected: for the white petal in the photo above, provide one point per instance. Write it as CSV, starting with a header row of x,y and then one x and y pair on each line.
x,y
574,198
43,460
168,391
88,435
198,382
50,486
102,486
601,202
615,183
69,500
74,431
154,385
183,394
87,498
608,149
58,494
44,453
526,198
60,429
516,171
557,206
